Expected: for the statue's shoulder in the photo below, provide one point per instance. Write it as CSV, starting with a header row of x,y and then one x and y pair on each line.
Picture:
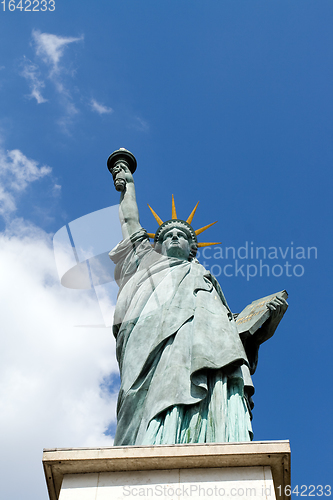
x,y
138,241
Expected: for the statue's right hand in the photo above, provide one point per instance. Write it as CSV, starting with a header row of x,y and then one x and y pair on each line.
x,y
121,176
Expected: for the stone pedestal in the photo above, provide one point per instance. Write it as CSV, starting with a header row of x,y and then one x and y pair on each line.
x,y
257,470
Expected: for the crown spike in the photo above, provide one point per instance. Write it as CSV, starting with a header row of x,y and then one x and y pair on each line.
x,y
157,218
200,245
190,217
174,213
202,229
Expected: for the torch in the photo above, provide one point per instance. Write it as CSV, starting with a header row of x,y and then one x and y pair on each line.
x,y
114,163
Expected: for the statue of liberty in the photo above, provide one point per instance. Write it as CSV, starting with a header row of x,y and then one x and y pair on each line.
x,y
185,371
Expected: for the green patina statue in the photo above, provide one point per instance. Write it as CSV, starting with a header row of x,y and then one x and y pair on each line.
x,y
185,369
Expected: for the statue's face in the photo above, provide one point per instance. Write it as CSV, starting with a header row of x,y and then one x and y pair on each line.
x,y
176,244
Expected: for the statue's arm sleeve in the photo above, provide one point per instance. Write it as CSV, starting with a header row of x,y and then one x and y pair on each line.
x,y
128,254
252,352
251,348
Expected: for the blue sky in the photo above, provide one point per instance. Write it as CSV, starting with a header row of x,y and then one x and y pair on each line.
x,y
226,102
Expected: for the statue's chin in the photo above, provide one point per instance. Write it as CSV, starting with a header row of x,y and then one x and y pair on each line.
x,y
178,253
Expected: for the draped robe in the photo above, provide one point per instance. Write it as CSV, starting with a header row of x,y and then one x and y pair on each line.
x,y
183,368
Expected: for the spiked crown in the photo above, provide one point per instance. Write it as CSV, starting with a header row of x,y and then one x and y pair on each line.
x,y
181,224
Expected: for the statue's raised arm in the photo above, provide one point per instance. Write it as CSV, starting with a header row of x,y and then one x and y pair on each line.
x,y
122,165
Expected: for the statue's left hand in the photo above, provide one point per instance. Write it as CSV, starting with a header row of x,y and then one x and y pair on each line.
x,y
277,307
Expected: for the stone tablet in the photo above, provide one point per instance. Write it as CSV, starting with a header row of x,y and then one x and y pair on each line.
x,y
256,313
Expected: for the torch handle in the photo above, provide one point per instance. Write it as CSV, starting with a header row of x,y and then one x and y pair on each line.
x,y
114,162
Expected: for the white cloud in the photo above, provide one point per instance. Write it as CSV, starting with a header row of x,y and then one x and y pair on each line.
x,y
56,190
16,172
100,108
22,170
31,74
51,374
140,124
51,47
7,202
